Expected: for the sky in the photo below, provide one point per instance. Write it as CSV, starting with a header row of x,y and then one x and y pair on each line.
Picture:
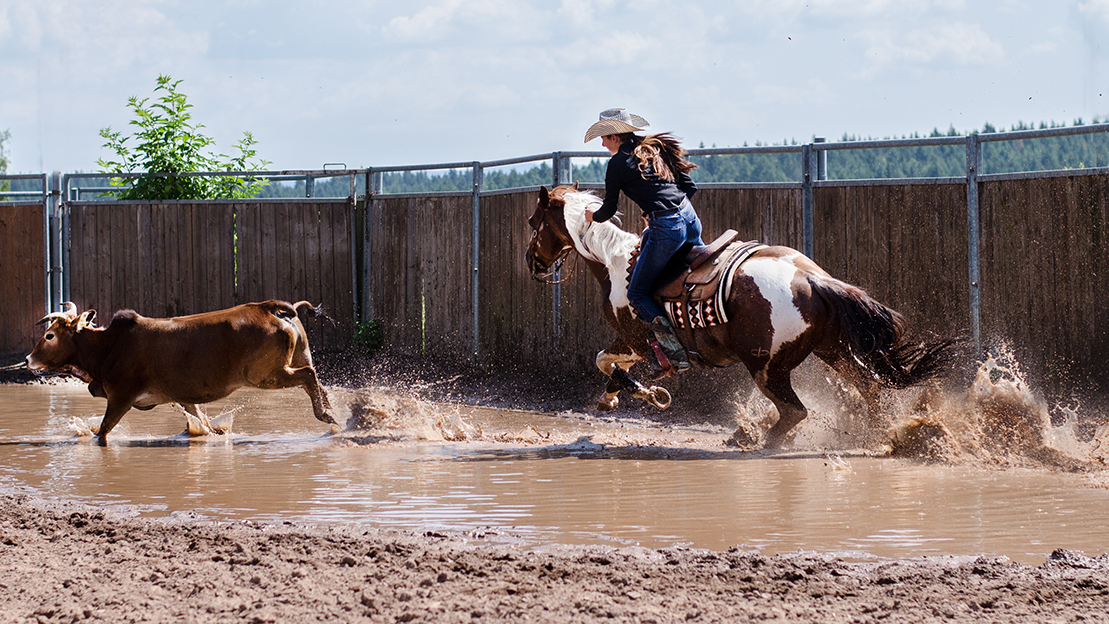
x,y
379,83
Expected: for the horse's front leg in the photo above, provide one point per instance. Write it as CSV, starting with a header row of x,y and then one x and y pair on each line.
x,y
616,366
609,361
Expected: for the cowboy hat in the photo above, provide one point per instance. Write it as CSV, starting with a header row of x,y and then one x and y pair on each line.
x,y
616,121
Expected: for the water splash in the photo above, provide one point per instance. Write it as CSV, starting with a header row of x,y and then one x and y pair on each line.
x,y
377,416
999,420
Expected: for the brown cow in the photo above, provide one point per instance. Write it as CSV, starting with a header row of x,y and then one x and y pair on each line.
x,y
142,362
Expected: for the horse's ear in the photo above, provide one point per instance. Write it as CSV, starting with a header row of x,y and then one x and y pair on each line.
x,y
575,187
544,195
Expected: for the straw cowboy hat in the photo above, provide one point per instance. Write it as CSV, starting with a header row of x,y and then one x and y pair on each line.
x,y
616,121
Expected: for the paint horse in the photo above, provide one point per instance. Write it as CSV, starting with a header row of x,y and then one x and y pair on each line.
x,y
780,308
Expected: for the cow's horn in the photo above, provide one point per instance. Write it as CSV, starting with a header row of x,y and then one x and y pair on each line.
x,y
51,317
68,314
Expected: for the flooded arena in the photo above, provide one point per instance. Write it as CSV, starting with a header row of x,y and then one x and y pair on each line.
x,y
979,471
974,501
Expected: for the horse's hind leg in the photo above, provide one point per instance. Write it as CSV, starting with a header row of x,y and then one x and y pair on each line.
x,y
867,387
775,384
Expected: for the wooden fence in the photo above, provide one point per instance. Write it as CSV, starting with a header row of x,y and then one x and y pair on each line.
x,y
179,258
905,244
1042,263
1045,276
22,276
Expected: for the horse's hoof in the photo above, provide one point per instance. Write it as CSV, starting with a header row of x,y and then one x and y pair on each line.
x,y
659,397
741,439
774,441
607,406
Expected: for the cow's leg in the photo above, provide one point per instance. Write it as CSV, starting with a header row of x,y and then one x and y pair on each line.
x,y
112,416
305,377
320,403
196,423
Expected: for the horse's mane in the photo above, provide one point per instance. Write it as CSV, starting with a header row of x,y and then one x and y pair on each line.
x,y
596,241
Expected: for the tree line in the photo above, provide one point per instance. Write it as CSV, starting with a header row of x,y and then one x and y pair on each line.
x,y
1067,152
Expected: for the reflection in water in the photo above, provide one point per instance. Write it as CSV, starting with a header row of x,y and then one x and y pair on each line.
x,y
538,478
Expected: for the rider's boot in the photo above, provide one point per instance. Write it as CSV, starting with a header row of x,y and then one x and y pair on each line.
x,y
668,340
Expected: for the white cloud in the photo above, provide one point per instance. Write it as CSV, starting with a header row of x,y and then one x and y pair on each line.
x,y
428,25
117,33
1098,9
957,44
468,21
616,49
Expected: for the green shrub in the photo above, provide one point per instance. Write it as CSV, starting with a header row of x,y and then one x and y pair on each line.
x,y
168,142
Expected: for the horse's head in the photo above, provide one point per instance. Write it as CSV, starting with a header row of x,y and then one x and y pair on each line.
x,y
550,242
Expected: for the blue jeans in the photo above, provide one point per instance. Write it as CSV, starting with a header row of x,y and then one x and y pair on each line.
x,y
664,236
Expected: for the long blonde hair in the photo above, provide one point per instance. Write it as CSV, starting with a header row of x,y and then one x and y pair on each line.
x,y
660,154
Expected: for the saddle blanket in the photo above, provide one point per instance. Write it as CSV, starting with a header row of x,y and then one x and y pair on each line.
x,y
712,311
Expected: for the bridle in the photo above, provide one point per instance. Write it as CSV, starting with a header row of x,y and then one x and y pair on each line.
x,y
555,267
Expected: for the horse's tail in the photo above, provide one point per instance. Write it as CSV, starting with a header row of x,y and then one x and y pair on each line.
x,y
874,337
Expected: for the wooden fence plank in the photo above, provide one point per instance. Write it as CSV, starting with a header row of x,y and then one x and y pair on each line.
x,y
23,282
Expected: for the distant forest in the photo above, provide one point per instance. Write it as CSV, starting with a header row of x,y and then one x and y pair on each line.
x,y
1070,152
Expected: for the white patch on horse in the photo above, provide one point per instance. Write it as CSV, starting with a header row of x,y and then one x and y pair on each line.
x,y
601,242
773,278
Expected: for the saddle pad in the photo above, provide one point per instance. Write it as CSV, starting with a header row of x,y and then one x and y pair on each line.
x,y
711,311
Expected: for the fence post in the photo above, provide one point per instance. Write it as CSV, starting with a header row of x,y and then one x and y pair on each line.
x,y
54,243
367,244
46,259
563,174
475,239
821,161
807,200
974,161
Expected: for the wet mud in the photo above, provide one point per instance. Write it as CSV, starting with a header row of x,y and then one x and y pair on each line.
x,y
67,562
71,563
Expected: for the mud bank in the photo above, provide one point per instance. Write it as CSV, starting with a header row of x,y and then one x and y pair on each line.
x,y
74,563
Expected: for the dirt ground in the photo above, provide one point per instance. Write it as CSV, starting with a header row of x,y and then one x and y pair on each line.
x,y
66,562
72,563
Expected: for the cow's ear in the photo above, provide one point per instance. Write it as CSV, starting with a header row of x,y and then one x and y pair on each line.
x,y
544,195
86,319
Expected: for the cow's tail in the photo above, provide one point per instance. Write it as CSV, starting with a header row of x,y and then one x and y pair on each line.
x,y
312,311
874,337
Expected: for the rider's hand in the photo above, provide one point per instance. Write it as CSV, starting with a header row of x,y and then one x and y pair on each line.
x,y
589,216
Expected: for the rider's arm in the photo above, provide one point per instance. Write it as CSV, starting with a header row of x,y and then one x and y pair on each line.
x,y
686,184
613,182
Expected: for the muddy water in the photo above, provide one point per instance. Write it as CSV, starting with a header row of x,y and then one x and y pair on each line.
x,y
537,478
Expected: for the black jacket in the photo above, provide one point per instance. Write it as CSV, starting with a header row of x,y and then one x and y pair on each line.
x,y
650,192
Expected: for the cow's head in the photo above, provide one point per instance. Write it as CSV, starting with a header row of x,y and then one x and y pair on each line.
x,y
56,349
